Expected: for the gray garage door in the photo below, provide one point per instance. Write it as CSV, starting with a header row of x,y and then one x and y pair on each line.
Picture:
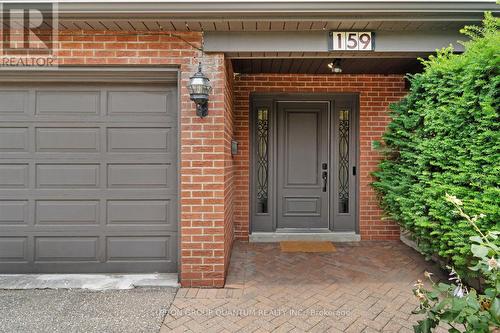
x,y
88,178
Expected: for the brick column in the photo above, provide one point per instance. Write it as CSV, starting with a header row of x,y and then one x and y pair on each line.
x,y
206,176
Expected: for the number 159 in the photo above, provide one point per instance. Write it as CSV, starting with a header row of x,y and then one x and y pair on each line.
x,y
352,41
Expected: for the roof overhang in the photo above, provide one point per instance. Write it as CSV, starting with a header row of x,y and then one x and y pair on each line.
x,y
262,26
259,15
281,9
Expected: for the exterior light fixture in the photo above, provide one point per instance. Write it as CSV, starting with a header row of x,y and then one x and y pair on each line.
x,y
335,66
199,89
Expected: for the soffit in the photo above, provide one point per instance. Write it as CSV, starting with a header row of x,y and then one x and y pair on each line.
x,y
278,15
320,65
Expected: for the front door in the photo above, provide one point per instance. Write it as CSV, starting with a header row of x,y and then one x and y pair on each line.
x,y
303,165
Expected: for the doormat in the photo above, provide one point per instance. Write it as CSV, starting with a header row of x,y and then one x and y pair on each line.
x,y
306,246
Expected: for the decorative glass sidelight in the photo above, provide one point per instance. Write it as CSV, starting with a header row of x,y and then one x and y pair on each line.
x,y
262,145
343,161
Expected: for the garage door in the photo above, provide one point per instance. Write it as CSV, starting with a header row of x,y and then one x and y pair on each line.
x,y
88,177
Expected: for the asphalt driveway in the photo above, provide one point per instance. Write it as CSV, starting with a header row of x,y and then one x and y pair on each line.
x,y
63,310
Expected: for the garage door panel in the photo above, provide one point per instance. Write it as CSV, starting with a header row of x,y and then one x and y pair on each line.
x,y
69,140
14,102
14,175
139,103
139,248
141,212
67,175
13,249
13,212
145,139
67,212
66,248
68,102
140,175
14,139
88,178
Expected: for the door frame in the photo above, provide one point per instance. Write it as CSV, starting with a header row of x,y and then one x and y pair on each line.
x,y
267,222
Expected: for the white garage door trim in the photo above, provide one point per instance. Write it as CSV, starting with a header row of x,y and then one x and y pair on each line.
x,y
94,78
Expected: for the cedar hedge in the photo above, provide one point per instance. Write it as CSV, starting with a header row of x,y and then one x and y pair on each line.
x,y
444,138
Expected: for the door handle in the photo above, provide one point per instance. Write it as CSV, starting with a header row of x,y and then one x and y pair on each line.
x,y
325,180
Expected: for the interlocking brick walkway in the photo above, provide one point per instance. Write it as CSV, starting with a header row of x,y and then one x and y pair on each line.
x,y
362,287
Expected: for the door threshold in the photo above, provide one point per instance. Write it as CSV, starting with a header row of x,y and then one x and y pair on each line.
x,y
272,237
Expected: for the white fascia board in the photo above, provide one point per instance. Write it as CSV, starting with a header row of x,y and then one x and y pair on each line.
x,y
279,8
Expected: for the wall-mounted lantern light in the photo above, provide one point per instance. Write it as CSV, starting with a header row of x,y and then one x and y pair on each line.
x,y
199,89
335,66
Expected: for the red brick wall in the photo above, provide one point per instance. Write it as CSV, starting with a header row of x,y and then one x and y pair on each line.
x,y
376,93
228,166
205,172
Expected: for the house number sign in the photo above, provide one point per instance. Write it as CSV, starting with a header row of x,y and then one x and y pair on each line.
x,y
351,41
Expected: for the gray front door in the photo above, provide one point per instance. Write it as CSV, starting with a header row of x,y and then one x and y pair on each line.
x,y
303,165
88,178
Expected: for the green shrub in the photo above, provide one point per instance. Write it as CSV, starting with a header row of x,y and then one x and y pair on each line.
x,y
453,304
445,138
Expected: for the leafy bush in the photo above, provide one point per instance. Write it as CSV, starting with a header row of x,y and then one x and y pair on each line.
x,y
445,138
456,305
